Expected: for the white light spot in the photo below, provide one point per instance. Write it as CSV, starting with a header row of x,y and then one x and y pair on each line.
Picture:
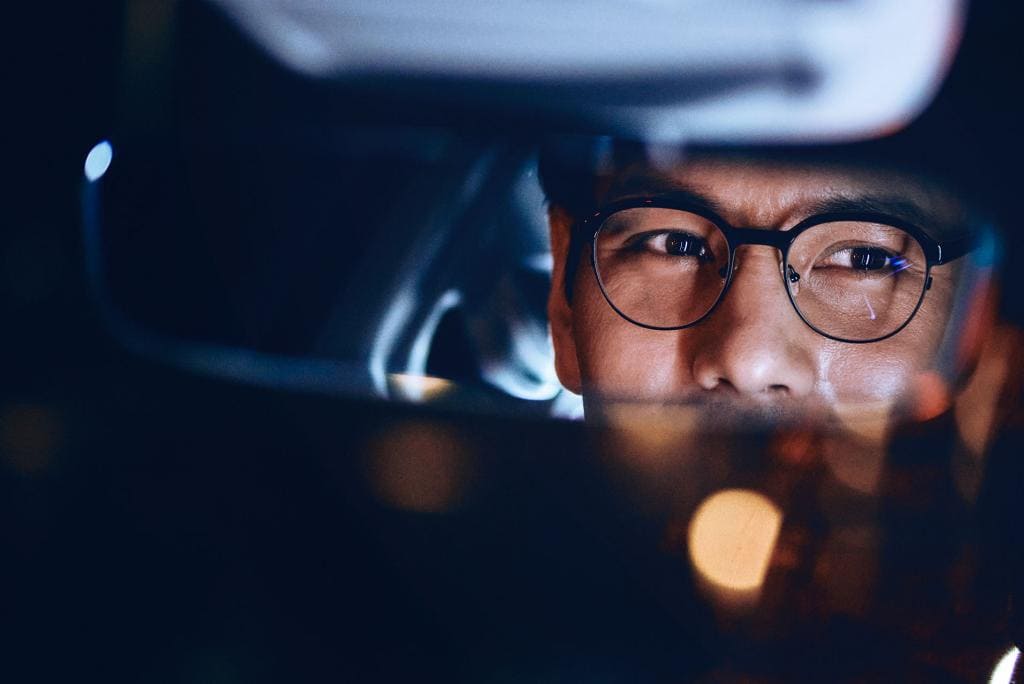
x,y
98,161
870,310
419,387
1003,674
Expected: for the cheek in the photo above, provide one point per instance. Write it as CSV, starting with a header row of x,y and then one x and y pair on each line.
x,y
886,369
620,360
864,373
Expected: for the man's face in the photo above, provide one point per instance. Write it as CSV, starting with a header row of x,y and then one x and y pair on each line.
x,y
753,348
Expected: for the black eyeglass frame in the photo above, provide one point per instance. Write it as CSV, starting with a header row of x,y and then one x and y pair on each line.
x,y
936,252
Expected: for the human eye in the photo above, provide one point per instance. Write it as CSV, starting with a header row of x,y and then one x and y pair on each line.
x,y
673,244
866,259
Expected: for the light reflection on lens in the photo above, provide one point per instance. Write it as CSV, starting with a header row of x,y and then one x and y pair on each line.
x,y
731,539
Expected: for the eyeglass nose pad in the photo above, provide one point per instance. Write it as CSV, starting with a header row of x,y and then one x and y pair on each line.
x,y
792,275
723,272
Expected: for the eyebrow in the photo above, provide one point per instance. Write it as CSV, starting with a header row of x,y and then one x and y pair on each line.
x,y
893,207
665,187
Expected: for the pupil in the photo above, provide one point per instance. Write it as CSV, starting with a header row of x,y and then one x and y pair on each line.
x,y
868,258
684,245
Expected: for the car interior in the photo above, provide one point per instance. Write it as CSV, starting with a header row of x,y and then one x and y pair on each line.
x,y
301,421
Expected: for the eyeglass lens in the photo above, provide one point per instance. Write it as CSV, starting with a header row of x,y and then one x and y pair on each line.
x,y
666,268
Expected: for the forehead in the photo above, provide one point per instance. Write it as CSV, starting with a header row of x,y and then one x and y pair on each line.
x,y
777,194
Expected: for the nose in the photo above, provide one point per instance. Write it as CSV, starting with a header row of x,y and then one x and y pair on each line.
x,y
754,343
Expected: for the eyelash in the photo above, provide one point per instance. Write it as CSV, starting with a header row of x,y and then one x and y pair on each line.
x,y
890,258
642,241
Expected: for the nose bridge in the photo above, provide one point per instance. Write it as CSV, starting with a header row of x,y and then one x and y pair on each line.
x,y
755,341
756,287
766,259
754,241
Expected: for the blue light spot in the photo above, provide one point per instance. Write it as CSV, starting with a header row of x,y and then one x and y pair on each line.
x,y
98,160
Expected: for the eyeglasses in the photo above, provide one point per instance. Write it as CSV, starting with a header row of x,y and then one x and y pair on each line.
x,y
852,277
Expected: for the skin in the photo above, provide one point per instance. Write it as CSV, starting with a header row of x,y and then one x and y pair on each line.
x,y
753,349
